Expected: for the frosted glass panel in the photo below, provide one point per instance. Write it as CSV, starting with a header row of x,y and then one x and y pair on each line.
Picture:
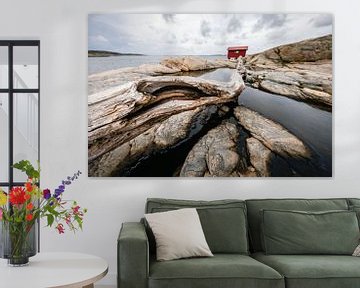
x,y
26,130
4,138
26,67
4,67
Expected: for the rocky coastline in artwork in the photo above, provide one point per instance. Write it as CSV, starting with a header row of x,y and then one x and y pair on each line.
x,y
142,114
301,70
171,66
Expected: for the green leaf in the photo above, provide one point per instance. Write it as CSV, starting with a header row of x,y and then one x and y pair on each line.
x,y
26,167
50,219
53,211
79,221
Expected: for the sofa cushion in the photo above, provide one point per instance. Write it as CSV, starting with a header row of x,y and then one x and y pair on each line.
x,y
356,209
353,201
297,232
223,221
354,205
255,206
313,271
178,234
222,270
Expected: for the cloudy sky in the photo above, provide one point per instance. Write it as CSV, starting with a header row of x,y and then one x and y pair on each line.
x,y
201,34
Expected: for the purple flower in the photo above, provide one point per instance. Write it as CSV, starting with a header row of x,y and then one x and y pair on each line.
x,y
46,194
57,193
64,183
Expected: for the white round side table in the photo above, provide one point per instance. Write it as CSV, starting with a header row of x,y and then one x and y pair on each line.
x,y
50,270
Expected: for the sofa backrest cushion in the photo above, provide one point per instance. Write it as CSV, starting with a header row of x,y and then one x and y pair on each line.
x,y
223,221
255,206
353,202
298,232
356,209
354,205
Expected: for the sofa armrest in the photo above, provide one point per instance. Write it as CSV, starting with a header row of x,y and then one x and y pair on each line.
x,y
133,256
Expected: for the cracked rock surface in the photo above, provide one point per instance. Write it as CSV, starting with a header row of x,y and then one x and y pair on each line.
x,y
271,134
135,119
302,70
216,154
149,110
159,136
104,80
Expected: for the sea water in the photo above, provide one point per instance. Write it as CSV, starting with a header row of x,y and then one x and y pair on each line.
x,y
101,64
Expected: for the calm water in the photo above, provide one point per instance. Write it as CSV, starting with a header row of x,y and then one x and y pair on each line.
x,y
100,64
220,74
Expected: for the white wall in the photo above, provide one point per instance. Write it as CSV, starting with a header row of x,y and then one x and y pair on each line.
x,y
61,25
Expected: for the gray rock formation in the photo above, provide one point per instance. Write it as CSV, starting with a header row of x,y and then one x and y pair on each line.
x,y
301,70
187,63
260,156
161,135
219,152
272,135
310,50
216,154
104,80
145,115
148,109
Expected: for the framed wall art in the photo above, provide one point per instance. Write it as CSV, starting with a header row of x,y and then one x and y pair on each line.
x,y
218,95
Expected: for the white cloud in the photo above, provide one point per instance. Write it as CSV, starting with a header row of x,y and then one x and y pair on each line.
x,y
100,38
170,34
322,20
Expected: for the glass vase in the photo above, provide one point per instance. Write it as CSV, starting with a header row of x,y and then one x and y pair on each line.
x,y
18,242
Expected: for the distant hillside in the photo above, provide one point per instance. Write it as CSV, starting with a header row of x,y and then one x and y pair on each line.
x,y
103,53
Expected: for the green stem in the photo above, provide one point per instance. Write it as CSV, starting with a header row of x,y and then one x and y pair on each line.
x,y
18,238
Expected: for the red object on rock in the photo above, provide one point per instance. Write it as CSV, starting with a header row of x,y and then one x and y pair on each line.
x,y
236,51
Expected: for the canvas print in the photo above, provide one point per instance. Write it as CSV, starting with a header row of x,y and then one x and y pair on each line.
x,y
210,95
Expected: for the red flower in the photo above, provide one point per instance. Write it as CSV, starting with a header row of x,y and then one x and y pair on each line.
x,y
17,196
27,196
60,228
75,209
29,187
29,206
68,219
29,217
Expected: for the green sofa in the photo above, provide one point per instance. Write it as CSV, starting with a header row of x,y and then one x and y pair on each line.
x,y
233,230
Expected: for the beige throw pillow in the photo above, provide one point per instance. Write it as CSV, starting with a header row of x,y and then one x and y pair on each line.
x,y
178,234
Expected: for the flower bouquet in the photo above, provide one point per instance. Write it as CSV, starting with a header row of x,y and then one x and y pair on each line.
x,y
21,208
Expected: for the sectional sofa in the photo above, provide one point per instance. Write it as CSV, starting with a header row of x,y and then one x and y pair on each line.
x,y
262,243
